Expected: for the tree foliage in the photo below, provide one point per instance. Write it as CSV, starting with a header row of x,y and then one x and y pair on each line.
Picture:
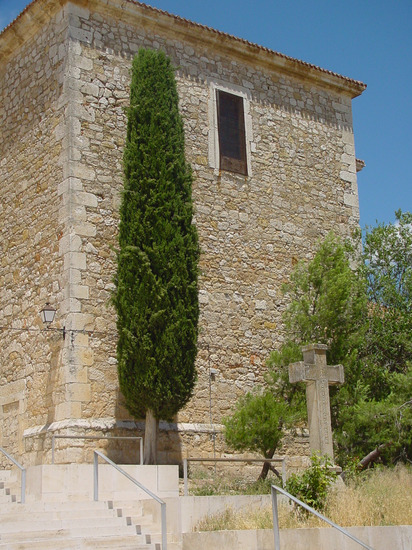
x,y
260,418
379,408
327,300
387,268
368,423
156,294
257,423
359,304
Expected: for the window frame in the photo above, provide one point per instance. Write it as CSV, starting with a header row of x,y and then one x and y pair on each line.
x,y
214,135
231,129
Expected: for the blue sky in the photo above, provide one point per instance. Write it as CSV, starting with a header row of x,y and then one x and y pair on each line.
x,y
368,40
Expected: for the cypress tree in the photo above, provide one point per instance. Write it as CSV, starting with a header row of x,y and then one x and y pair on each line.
x,y
156,294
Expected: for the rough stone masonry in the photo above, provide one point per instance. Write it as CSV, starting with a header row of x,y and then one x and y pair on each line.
x,y
64,84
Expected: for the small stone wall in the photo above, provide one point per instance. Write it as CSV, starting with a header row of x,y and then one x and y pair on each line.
x,y
378,538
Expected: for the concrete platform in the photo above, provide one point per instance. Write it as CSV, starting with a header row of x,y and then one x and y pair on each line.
x,y
75,482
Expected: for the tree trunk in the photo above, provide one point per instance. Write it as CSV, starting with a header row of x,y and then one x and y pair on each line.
x,y
265,469
373,456
150,438
268,465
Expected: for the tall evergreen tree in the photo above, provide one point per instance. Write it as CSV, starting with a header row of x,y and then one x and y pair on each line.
x,y
156,294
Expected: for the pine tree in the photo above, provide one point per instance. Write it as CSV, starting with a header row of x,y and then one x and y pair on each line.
x,y
156,294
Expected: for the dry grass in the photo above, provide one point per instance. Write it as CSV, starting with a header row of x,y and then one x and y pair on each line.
x,y
228,520
206,482
380,497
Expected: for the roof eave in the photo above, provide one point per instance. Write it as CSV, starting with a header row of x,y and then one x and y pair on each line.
x,y
40,11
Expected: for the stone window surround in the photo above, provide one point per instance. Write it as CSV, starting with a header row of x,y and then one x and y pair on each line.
x,y
214,152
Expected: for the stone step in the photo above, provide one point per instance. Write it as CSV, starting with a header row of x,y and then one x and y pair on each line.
x,y
8,499
72,531
135,505
62,543
10,491
5,475
75,525
52,515
20,525
48,506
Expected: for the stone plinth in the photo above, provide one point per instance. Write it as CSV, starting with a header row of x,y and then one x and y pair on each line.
x,y
60,482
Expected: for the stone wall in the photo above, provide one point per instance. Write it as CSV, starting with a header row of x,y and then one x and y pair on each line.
x,y
30,273
252,229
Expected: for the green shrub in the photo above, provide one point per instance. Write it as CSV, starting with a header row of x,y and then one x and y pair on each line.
x,y
312,485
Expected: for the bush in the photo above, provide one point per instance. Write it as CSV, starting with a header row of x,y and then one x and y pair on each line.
x,y
312,485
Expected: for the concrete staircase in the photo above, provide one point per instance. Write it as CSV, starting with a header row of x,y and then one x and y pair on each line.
x,y
74,525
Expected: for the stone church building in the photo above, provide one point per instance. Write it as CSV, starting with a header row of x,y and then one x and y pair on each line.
x,y
263,197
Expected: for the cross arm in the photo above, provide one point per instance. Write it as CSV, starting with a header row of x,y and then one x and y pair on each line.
x,y
336,375
297,372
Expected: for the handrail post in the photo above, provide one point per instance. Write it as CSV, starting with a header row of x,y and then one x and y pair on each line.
x,y
185,475
284,472
164,527
23,486
141,451
95,476
275,517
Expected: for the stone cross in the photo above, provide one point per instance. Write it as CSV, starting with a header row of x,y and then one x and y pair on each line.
x,y
318,376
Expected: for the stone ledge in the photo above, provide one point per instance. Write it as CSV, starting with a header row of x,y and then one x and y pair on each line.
x,y
381,538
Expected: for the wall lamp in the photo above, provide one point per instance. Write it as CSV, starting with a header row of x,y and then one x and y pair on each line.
x,y
47,315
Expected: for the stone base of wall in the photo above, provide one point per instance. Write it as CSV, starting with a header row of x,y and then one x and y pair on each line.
x,y
379,538
73,441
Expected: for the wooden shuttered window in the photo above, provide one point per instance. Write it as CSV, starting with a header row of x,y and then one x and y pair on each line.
x,y
231,128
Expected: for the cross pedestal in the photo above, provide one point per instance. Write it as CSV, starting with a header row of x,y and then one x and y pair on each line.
x,y
318,376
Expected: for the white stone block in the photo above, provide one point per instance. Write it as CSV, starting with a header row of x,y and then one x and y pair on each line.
x,y
76,260
90,89
342,108
81,35
81,112
87,199
82,62
70,305
85,229
347,137
70,243
80,392
351,200
74,276
79,291
348,159
80,321
83,172
345,175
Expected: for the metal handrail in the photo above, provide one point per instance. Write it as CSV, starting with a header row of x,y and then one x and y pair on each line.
x,y
23,475
275,490
54,437
133,480
186,460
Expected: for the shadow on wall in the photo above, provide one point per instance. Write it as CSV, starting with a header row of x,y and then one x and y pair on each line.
x,y
128,451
